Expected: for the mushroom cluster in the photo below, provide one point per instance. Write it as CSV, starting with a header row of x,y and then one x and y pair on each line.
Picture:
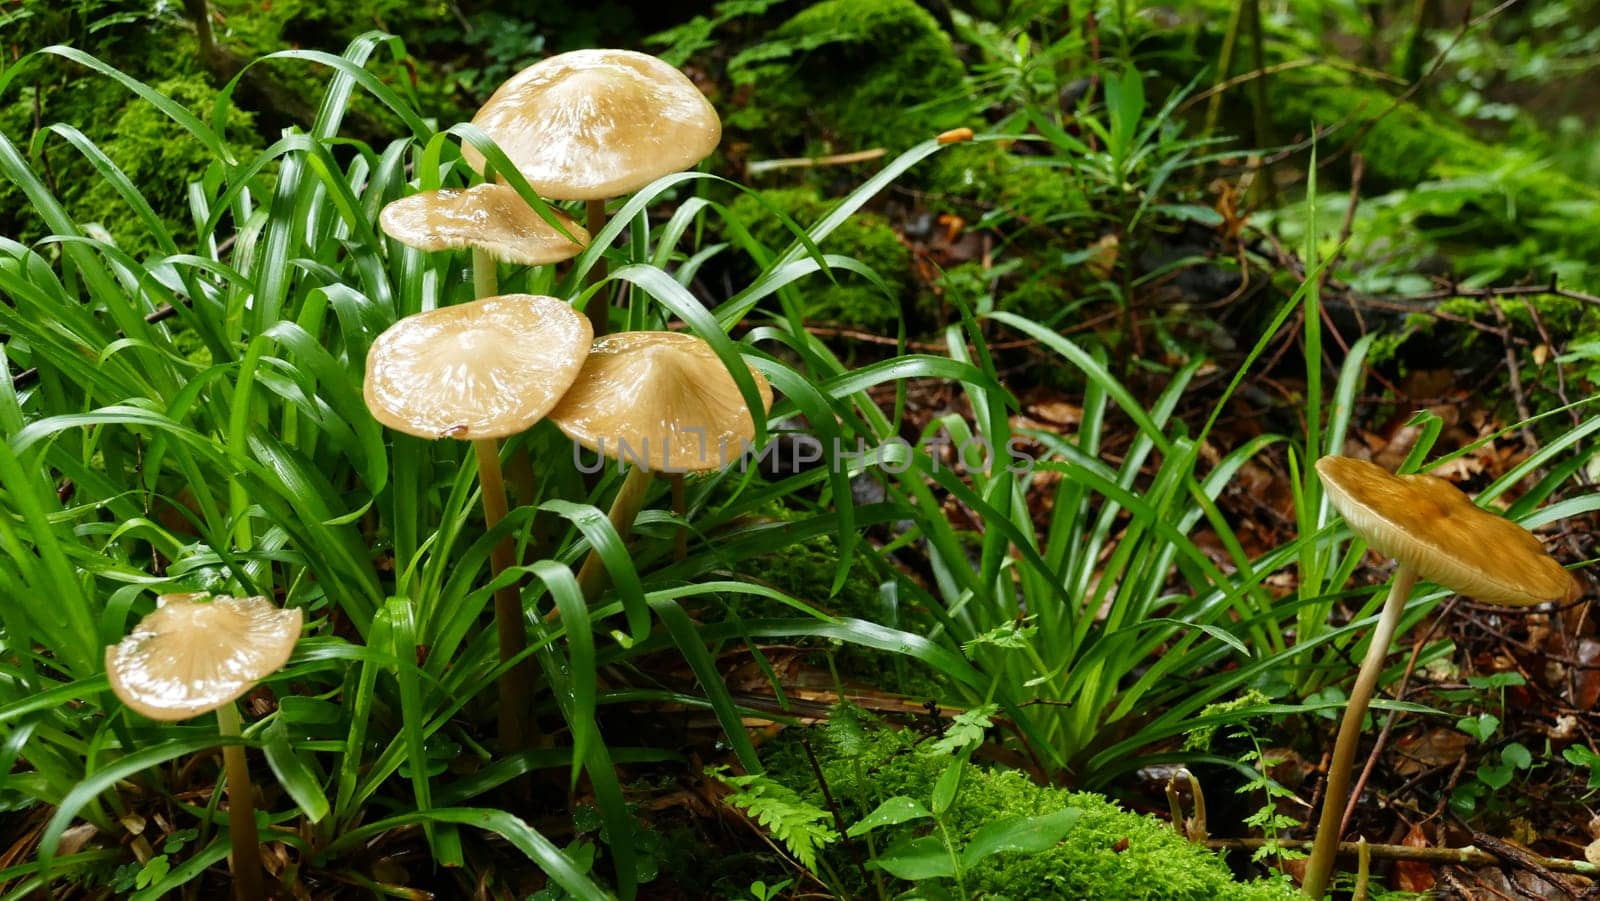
x,y
1433,532
588,125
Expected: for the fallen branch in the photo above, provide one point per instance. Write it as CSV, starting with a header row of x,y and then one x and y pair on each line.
x,y
1469,856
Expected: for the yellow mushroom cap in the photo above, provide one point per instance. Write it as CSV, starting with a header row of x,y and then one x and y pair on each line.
x,y
593,124
661,400
192,656
485,369
492,218
1427,523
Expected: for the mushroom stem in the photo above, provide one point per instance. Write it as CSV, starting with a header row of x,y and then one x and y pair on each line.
x,y
680,509
1319,870
625,507
599,308
485,277
507,601
247,883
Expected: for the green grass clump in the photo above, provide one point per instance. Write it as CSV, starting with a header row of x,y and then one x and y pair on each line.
x,y
867,237
850,70
863,767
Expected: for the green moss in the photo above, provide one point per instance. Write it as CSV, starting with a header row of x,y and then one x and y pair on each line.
x,y
1504,194
1029,189
861,71
864,767
865,237
159,157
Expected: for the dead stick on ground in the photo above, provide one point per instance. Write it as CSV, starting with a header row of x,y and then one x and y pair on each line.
x,y
808,162
1469,856
1514,376
1520,857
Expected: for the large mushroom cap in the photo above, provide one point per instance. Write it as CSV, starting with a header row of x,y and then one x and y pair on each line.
x,y
593,124
492,218
485,369
190,657
662,400
1428,524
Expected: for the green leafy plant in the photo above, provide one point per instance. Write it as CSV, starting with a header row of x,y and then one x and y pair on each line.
x,y
802,827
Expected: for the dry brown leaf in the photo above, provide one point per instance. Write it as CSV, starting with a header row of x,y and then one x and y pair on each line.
x,y
1413,875
1429,749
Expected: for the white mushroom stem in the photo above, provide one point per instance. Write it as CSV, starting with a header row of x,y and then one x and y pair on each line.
x,y
625,508
247,883
1319,870
508,620
485,277
599,307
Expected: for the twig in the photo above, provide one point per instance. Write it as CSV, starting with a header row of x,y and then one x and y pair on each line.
x,y
1453,290
28,376
1561,375
1287,66
833,807
1408,93
1527,860
808,162
1514,376
1470,856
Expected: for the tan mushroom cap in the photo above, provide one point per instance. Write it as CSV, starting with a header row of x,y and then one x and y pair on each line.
x,y
661,400
1428,524
485,369
492,218
190,657
593,124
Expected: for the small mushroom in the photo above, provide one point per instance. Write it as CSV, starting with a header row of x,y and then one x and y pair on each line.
x,y
1433,532
191,657
664,401
594,124
492,220
480,371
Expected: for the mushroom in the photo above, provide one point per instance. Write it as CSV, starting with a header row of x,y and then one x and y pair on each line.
x,y
480,371
191,657
1433,532
594,124
492,220
664,401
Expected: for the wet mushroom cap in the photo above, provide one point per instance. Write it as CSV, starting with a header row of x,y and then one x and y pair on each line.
x,y
192,656
593,124
662,400
485,369
492,218
1427,523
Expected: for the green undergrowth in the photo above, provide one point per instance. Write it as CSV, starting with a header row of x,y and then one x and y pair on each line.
x,y
1475,198
1109,853
847,299
848,73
